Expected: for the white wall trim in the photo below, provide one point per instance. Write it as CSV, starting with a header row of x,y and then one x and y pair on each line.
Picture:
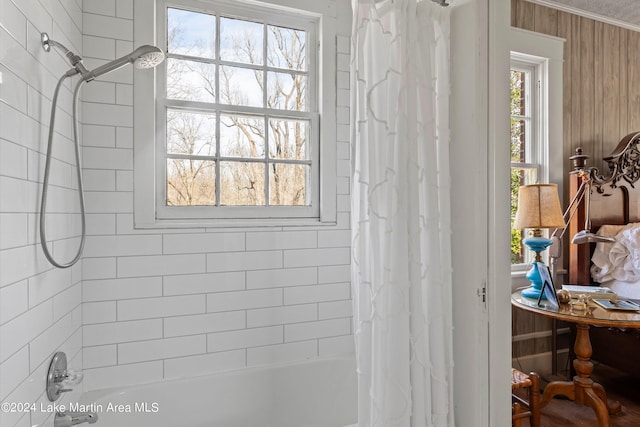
x,y
532,43
586,14
499,236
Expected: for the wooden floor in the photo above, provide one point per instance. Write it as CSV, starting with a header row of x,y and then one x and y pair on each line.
x,y
565,413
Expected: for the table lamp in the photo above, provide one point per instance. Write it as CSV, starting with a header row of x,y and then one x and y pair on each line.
x,y
538,207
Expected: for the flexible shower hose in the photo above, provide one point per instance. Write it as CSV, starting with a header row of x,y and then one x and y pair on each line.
x,y
45,184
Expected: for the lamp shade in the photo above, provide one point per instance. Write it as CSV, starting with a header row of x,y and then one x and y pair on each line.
x,y
539,207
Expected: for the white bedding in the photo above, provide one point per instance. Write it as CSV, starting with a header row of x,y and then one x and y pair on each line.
x,y
616,260
624,290
617,265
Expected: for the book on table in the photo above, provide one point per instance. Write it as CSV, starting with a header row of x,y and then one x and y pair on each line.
x,y
600,292
617,304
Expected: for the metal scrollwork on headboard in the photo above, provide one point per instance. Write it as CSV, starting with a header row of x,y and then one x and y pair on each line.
x,y
624,164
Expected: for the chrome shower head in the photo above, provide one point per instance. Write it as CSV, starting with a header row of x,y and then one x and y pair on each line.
x,y
150,57
143,57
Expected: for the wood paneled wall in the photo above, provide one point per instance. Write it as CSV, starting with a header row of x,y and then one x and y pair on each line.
x,y
601,78
601,101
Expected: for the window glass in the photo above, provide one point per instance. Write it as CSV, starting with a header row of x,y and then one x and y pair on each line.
x,y
191,33
241,41
191,80
190,182
283,41
524,147
242,136
238,113
241,86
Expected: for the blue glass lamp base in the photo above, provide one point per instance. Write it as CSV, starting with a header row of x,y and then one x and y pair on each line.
x,y
536,244
535,289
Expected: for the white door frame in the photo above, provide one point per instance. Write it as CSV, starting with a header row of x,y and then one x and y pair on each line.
x,y
499,280
480,201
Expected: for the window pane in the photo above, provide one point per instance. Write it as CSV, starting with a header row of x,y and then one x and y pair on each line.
x,y
191,182
191,33
287,91
242,184
241,136
288,139
286,48
518,93
241,41
518,146
191,133
191,80
241,86
520,176
288,184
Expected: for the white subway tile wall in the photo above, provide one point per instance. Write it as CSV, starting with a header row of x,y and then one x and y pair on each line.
x,y
40,307
143,304
198,300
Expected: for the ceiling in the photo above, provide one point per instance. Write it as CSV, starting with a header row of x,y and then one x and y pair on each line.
x,y
622,11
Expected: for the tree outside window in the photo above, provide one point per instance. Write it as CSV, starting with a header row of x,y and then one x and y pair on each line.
x,y
523,151
237,112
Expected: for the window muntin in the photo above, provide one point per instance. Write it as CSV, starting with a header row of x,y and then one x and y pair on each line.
x,y
238,135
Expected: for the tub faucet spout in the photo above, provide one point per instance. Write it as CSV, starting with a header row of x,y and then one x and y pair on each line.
x,y
68,419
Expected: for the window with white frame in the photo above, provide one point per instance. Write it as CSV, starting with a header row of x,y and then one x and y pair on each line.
x,y
527,162
237,114
535,80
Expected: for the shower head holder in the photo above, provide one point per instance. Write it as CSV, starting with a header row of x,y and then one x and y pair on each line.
x,y
46,45
74,60
47,42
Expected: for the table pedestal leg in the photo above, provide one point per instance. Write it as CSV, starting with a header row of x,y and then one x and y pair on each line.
x,y
582,389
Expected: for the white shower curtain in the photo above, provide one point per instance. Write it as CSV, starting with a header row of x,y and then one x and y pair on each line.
x,y
401,213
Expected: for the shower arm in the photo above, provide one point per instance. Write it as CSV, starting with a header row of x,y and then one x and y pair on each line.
x,y
74,60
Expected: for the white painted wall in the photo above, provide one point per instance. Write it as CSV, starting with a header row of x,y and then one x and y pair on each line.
x,y
168,303
39,305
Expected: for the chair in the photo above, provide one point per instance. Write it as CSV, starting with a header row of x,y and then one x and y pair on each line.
x,y
522,408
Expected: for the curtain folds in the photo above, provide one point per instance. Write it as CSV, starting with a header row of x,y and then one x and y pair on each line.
x,y
401,263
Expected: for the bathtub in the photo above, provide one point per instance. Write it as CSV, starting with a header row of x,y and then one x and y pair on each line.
x,y
317,393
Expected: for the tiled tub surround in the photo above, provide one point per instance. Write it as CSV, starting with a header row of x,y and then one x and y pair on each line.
x,y
168,303
151,327
40,307
318,393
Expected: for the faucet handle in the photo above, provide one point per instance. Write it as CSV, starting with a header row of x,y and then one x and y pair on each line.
x,y
59,378
71,378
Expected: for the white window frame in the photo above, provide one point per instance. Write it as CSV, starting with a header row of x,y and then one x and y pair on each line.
x,y
543,56
536,120
535,115
149,129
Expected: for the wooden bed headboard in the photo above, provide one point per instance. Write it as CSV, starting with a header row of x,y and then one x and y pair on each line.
x,y
615,199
